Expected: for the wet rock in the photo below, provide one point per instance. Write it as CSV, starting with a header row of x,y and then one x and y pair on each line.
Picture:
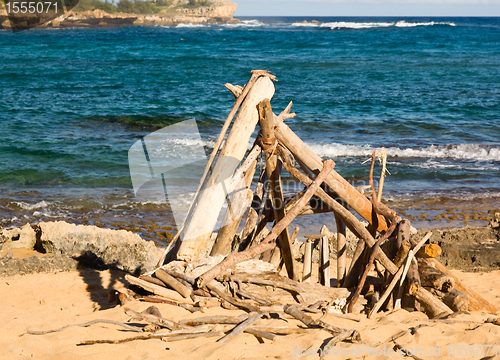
x,y
471,248
100,248
23,237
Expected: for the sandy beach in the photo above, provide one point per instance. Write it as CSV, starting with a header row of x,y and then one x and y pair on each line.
x,y
46,301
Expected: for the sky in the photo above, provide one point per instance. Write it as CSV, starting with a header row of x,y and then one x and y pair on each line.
x,y
367,8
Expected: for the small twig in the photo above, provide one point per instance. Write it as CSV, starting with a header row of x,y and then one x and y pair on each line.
x,y
98,321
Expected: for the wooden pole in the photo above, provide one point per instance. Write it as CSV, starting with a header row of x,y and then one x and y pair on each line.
x,y
324,265
268,143
203,217
269,241
325,262
336,182
341,251
307,270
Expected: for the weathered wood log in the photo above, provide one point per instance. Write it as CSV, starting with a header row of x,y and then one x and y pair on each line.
x,y
256,215
307,270
239,198
269,241
152,280
477,303
402,252
433,306
261,334
266,280
412,280
341,251
434,278
175,284
349,219
217,289
180,276
336,182
292,310
254,298
429,251
202,218
236,90
356,267
413,276
157,290
455,299
269,143
240,328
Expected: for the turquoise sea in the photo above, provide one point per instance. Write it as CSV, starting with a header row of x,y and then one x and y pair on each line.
x,y
74,101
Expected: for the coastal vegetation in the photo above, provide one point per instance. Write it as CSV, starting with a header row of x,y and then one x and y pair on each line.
x,y
138,6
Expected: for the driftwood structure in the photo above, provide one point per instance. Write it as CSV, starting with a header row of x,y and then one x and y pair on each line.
x,y
407,273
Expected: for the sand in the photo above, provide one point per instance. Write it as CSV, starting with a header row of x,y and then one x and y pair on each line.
x,y
49,301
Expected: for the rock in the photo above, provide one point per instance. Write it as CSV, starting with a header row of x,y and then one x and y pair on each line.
x,y
315,22
10,266
23,237
495,221
471,248
98,247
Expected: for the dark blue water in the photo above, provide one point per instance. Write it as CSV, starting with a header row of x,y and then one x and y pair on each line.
x,y
74,101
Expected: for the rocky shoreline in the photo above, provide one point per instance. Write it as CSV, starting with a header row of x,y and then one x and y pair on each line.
x,y
220,13
61,246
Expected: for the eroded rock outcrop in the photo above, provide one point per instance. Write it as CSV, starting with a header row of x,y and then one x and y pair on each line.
x,y
94,246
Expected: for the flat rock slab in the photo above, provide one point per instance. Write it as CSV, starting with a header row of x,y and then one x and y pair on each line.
x,y
96,247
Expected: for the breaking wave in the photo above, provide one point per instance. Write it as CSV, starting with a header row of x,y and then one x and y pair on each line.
x,y
460,151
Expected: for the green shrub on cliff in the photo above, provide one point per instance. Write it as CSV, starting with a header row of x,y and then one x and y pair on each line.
x,y
124,6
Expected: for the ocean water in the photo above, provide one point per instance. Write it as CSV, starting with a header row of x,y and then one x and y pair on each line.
x,y
74,101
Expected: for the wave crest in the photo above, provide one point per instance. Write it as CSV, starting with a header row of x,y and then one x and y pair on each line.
x,y
460,151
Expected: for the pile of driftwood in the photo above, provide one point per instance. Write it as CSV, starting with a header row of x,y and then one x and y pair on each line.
x,y
243,270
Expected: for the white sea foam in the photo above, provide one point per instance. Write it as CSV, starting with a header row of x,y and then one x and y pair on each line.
x,y
300,24
25,206
368,25
413,24
245,23
190,25
355,25
461,151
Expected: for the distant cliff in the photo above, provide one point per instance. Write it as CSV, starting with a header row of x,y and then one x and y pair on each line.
x,y
153,13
